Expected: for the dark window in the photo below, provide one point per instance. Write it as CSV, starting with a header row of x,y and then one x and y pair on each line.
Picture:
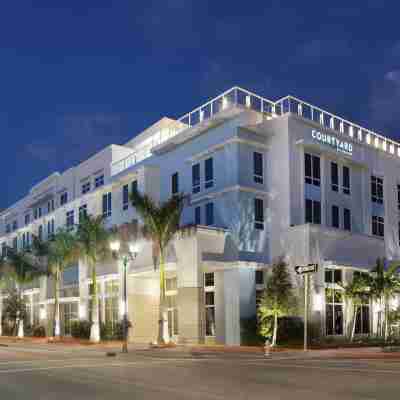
x,y
378,226
27,219
346,180
377,189
40,232
107,205
15,225
259,214
15,243
313,211
70,219
134,186
346,219
50,228
312,170
209,173
175,183
82,212
209,279
197,215
8,228
39,212
335,216
210,214
63,198
86,187
99,181
258,168
125,197
259,277
334,177
196,178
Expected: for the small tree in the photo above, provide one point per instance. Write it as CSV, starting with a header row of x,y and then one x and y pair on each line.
x,y
14,308
277,301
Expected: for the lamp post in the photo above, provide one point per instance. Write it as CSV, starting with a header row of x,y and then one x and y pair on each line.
x,y
125,257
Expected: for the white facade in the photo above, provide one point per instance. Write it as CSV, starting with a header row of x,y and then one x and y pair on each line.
x,y
251,204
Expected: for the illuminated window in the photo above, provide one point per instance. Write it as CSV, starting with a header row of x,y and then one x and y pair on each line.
x,y
107,205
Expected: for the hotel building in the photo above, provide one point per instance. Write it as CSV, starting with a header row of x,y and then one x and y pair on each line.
x,y
266,179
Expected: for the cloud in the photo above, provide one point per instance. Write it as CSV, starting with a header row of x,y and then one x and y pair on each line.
x,y
77,137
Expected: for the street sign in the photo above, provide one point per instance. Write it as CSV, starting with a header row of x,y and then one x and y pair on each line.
x,y
306,269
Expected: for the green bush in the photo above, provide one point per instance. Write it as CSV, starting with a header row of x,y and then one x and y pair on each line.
x,y
249,332
81,329
108,332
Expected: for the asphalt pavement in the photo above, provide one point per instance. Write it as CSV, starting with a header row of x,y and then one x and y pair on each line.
x,y
31,371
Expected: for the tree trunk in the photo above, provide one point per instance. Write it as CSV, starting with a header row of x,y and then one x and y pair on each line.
x,y
353,329
386,319
20,321
57,328
163,331
95,328
273,344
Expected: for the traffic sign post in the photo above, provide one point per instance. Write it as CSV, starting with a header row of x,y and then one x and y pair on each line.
x,y
306,270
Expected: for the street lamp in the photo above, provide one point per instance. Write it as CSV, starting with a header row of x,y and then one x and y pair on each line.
x,y
125,256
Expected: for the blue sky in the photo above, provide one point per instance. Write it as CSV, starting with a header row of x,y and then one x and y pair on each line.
x,y
76,76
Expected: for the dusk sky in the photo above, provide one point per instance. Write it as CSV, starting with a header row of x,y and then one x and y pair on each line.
x,y
79,75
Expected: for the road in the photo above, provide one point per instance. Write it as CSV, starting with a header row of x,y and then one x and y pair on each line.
x,y
42,372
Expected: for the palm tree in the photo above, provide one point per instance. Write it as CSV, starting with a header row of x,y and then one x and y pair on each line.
x,y
93,246
161,223
356,292
23,269
385,284
57,254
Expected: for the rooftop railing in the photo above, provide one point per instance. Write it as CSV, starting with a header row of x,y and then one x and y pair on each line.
x,y
238,97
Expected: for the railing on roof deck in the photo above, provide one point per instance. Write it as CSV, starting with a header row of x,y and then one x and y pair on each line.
x,y
232,97
244,98
326,119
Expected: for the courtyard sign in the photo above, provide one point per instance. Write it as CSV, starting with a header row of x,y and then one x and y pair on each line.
x,y
306,269
340,146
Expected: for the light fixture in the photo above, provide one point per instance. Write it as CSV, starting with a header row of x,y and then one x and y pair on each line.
x,y
115,245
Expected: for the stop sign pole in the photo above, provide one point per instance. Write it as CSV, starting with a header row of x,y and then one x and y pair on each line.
x,y
306,270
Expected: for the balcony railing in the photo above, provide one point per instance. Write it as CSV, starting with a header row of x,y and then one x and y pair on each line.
x,y
238,97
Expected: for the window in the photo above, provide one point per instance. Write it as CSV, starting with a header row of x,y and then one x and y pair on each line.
x,y
35,213
210,214
40,232
125,197
209,303
23,241
8,228
259,214
362,317
209,173
312,170
111,303
50,228
64,198
346,219
258,167
378,226
134,186
196,178
70,219
175,183
99,181
259,277
171,286
86,187
313,211
39,212
107,205
50,206
334,302
15,243
335,216
15,225
334,177
346,180
82,212
209,279
377,189
398,197
27,219
197,215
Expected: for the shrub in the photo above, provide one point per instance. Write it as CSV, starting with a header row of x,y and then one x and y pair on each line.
x,y
39,331
81,329
249,332
290,329
108,332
